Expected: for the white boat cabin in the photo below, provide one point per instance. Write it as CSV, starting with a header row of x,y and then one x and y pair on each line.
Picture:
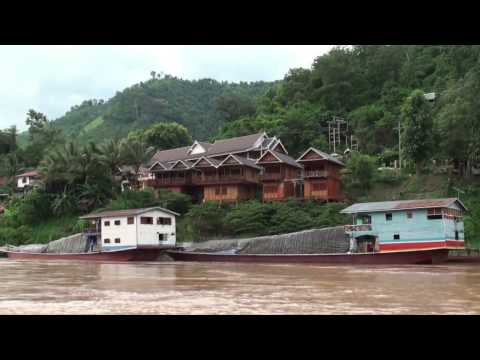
x,y
122,229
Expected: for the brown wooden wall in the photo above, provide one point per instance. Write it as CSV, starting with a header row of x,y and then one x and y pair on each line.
x,y
284,190
330,190
233,193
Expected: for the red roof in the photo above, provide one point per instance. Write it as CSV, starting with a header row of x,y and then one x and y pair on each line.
x,y
33,173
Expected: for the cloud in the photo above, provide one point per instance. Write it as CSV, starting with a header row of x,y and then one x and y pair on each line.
x,y
51,79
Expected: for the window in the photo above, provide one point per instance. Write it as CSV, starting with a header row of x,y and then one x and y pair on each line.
x,y
396,237
146,220
164,221
364,219
106,223
117,241
456,235
320,186
117,222
106,241
434,213
388,216
130,220
162,237
409,214
24,180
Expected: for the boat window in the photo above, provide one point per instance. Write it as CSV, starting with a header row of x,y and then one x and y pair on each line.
x,y
117,241
435,213
409,214
117,222
130,220
146,220
364,219
388,216
396,237
106,241
106,223
162,237
164,221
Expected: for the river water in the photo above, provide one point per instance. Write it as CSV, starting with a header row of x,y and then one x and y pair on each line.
x,y
28,287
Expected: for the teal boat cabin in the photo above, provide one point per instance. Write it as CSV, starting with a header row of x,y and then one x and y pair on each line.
x,y
406,225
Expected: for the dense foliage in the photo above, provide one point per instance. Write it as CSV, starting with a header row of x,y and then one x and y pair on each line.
x,y
202,106
253,218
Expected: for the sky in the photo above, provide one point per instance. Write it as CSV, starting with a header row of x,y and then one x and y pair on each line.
x,y
51,79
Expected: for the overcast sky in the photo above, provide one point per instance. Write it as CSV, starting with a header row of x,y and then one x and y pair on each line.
x,y
51,79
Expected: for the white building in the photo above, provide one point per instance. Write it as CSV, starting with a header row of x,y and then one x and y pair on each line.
x,y
122,229
27,179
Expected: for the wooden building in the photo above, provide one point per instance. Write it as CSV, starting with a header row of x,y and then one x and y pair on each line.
x,y
321,175
239,168
281,177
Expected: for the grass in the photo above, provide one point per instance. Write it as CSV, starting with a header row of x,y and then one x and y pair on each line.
x,y
92,125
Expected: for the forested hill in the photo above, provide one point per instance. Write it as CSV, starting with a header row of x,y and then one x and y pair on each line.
x,y
368,85
202,106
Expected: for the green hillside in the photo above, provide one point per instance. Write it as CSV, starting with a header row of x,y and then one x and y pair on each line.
x,y
202,106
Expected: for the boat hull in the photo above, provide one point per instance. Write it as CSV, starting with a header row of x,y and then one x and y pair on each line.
x,y
136,254
431,256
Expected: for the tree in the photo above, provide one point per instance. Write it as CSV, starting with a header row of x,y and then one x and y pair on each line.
x,y
137,153
234,106
458,119
359,173
111,156
167,136
417,131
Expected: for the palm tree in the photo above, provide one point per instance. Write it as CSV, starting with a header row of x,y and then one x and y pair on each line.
x,y
137,153
111,155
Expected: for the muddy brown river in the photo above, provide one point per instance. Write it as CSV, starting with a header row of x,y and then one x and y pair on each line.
x,y
28,287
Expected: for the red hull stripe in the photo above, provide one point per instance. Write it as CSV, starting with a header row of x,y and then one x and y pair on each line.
x,y
422,245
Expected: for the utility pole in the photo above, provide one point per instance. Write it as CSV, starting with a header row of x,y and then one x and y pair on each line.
x,y
399,128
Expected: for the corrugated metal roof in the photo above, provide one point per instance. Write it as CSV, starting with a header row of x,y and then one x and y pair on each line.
x,y
122,213
400,205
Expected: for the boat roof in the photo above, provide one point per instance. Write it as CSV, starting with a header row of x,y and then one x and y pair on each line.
x,y
401,205
128,212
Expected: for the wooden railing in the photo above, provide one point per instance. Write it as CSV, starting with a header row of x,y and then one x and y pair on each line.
x,y
166,182
222,179
272,176
315,173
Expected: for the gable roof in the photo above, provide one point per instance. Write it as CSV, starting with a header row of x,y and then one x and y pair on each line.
x,y
322,154
241,161
225,146
123,213
401,205
241,143
215,163
281,158
32,173
163,165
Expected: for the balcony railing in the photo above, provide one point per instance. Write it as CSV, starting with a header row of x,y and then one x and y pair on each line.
x,y
166,182
271,176
315,173
362,227
222,179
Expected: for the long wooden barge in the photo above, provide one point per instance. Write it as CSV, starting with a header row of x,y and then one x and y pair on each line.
x,y
430,256
146,253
